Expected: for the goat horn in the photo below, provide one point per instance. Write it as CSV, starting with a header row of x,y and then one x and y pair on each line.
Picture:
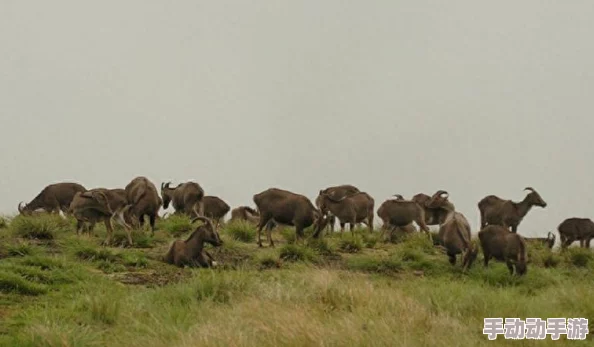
x,y
398,196
204,219
20,208
441,193
530,189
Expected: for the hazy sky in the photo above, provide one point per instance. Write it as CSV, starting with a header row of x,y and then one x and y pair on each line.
x,y
393,96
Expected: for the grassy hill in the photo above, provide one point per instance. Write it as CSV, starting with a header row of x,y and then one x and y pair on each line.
x,y
60,289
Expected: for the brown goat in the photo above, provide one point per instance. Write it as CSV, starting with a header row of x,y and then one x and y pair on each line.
x,y
573,229
336,192
509,214
287,208
433,216
53,198
101,205
191,251
352,209
245,213
454,232
186,198
144,200
215,209
396,213
499,243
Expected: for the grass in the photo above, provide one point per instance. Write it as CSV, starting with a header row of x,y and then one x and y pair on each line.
x,y
69,290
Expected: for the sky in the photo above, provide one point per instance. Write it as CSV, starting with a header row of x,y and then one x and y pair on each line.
x,y
476,98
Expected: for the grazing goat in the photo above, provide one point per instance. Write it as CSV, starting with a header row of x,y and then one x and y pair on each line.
x,y
186,198
497,242
509,214
573,229
245,213
144,200
98,205
191,251
396,213
53,198
352,209
287,208
454,232
215,209
336,192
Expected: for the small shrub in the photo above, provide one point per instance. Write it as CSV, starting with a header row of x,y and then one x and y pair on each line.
x,y
241,231
321,246
13,283
551,260
294,253
34,228
268,261
3,223
580,257
351,245
175,225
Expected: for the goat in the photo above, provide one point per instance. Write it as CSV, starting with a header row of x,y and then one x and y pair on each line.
x,y
509,214
100,204
287,208
497,242
352,209
336,192
396,213
454,232
548,241
575,228
186,198
191,251
215,209
144,200
53,198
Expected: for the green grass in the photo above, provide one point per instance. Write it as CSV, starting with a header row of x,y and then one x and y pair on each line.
x,y
241,231
333,291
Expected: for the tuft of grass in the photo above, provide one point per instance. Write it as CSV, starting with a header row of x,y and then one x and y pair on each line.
x,y
13,283
3,223
385,265
45,263
21,249
136,259
96,254
292,252
579,256
288,234
38,227
175,225
370,240
220,288
350,245
321,246
551,260
241,231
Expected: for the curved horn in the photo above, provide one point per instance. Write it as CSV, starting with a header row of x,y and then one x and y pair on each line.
x,y
205,220
398,196
530,189
441,193
20,208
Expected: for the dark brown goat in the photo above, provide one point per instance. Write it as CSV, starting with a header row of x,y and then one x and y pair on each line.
x,y
186,198
574,229
454,232
509,214
497,242
53,198
191,251
98,205
396,213
287,208
352,209
144,200
215,209
336,192
433,216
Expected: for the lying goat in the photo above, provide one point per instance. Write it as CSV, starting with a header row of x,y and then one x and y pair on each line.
x,y
191,251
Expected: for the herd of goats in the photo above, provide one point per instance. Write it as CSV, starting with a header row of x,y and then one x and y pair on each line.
x,y
499,218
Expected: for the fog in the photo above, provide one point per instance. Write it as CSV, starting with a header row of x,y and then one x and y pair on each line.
x,y
392,96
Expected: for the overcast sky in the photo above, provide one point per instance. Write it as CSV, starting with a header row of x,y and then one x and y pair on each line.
x,y
392,96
